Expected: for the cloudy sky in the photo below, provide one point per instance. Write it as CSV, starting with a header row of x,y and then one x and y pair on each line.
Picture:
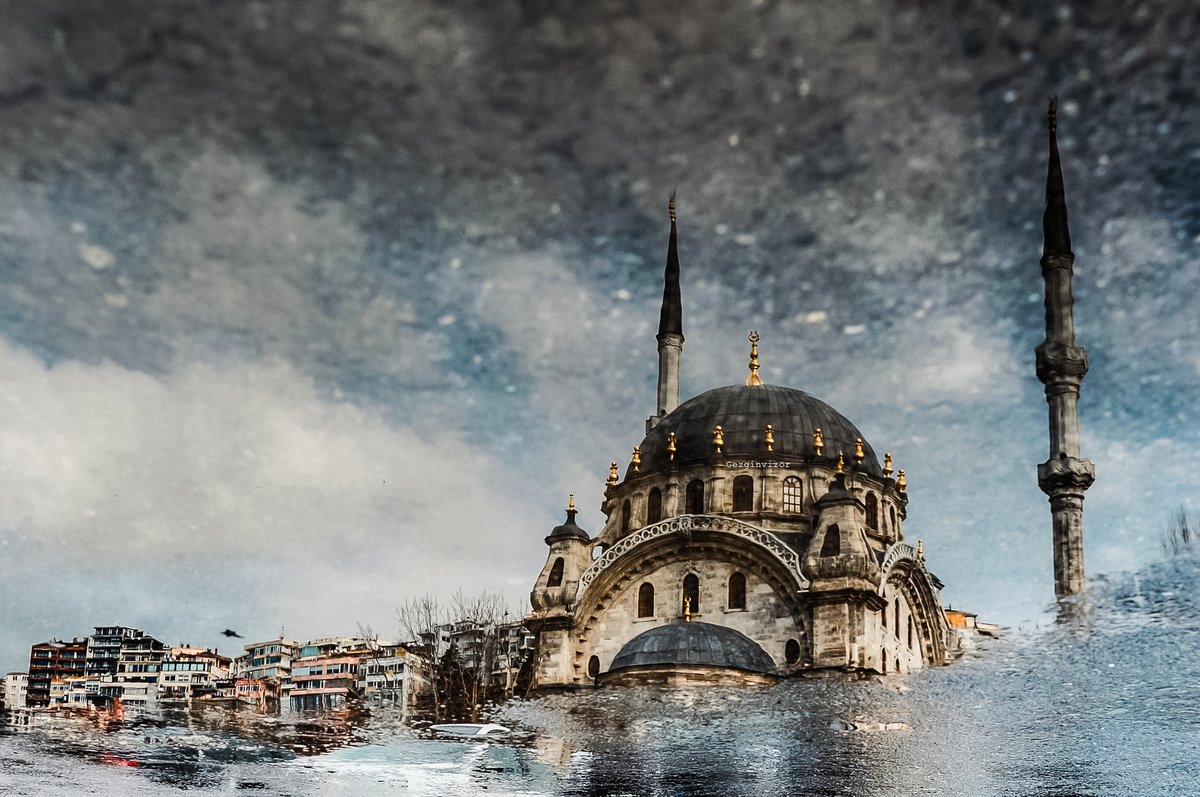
x,y
308,308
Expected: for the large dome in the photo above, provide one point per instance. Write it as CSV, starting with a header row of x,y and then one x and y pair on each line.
x,y
694,644
743,412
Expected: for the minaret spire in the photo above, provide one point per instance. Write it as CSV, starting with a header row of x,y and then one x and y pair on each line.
x,y
1061,366
670,329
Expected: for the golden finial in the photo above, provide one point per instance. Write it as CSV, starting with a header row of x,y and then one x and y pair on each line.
x,y
841,463
753,378
818,441
687,610
671,207
921,550
613,476
570,502
769,437
887,465
718,438
636,462
901,482
671,446
859,453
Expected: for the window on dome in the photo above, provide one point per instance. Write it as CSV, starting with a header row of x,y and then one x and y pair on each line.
x,y
743,494
694,498
691,594
556,573
832,544
737,591
872,512
646,600
793,494
654,506
626,515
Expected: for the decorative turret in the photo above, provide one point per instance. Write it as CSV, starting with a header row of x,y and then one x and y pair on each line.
x,y
670,330
570,549
839,550
1061,366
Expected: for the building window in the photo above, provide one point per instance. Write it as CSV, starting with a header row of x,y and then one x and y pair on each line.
x,y
832,544
743,494
892,514
883,616
694,498
737,591
556,573
793,494
897,618
791,651
593,666
872,512
654,506
691,594
910,632
626,515
646,600
883,660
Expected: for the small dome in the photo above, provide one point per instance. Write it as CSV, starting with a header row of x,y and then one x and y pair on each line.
x,y
695,644
567,530
743,412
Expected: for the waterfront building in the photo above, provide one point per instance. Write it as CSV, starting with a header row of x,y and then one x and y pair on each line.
x,y
52,660
327,680
262,670
16,686
139,660
104,648
754,534
389,675
189,673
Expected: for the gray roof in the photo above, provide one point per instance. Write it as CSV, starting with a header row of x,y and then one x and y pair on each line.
x,y
743,412
696,644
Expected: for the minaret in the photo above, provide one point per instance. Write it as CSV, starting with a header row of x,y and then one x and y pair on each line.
x,y
1061,365
670,330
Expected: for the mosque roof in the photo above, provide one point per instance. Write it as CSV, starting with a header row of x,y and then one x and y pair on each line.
x,y
695,644
743,412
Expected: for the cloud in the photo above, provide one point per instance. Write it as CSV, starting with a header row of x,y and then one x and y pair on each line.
x,y
232,495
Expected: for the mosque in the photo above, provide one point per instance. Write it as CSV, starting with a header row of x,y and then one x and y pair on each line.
x,y
756,535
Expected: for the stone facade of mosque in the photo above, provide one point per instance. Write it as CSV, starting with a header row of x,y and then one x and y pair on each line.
x,y
753,535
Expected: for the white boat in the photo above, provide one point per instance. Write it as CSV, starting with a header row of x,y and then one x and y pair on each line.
x,y
472,730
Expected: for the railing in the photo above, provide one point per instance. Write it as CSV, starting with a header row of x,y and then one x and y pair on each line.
x,y
685,525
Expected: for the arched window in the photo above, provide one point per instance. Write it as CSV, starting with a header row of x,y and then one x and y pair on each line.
x,y
897,618
832,544
737,591
892,515
883,660
883,617
791,651
593,666
743,494
646,600
910,632
654,506
556,573
691,593
694,498
872,512
626,515
793,494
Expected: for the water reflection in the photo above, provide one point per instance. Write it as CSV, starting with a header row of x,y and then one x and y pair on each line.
x,y
1103,702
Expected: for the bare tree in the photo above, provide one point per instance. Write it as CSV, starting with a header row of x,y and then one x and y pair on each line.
x,y
1183,534
476,622
420,621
